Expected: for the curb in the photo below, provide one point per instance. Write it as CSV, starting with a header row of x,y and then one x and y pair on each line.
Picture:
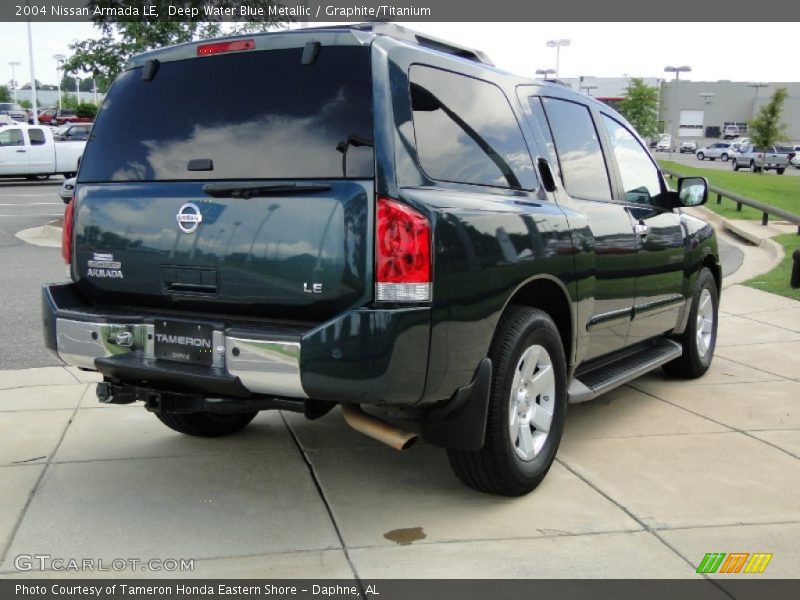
x,y
761,255
48,235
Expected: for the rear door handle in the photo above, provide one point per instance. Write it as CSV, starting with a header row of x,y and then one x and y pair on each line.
x,y
21,151
641,229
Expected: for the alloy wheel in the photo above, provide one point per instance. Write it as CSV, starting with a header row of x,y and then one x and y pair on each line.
x,y
532,402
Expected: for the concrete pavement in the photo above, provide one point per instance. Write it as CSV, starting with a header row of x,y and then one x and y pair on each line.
x,y
648,479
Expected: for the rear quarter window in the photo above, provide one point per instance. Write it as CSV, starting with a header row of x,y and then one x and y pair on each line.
x,y
466,131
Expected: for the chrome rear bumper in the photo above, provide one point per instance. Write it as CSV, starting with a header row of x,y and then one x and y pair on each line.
x,y
263,366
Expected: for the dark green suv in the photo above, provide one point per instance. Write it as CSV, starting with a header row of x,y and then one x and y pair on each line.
x,y
369,217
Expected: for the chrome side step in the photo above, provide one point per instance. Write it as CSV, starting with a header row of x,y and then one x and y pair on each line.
x,y
606,377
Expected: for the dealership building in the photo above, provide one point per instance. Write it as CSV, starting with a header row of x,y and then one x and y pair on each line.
x,y
702,109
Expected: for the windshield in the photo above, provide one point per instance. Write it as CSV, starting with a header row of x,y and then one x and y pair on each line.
x,y
245,115
61,130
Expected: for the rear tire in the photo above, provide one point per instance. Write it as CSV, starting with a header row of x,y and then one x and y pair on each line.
x,y
203,424
700,337
724,157
529,389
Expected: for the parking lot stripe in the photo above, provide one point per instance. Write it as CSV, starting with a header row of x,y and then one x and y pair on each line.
x,y
35,215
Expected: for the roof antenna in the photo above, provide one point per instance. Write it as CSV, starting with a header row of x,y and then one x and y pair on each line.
x,y
310,53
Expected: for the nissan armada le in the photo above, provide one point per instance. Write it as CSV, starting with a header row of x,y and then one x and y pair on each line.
x,y
369,217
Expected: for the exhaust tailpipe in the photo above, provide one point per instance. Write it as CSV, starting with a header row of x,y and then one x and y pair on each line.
x,y
384,432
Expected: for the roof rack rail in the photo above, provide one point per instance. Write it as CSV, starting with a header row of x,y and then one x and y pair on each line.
x,y
399,32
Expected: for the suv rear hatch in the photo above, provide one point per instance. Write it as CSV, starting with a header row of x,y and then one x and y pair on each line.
x,y
234,179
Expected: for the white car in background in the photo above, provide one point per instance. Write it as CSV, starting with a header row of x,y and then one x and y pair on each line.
x,y
730,132
721,150
795,162
664,143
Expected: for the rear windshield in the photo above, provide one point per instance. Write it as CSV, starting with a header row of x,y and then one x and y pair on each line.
x,y
245,115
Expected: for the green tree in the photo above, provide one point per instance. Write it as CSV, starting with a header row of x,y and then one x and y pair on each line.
x,y
105,57
69,101
5,95
25,104
767,128
86,110
640,107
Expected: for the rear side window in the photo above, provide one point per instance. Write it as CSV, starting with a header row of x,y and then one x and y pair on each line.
x,y
253,115
583,168
36,136
466,131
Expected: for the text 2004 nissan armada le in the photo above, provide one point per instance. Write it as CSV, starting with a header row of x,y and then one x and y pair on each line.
x,y
368,217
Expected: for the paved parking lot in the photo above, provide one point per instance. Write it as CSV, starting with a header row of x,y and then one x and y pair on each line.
x,y
648,479
691,160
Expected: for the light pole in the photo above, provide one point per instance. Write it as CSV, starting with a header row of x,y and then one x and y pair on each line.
x,y
34,103
757,86
78,88
589,89
677,71
545,72
59,58
14,64
557,44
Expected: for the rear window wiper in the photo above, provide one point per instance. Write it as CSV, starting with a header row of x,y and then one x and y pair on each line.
x,y
245,190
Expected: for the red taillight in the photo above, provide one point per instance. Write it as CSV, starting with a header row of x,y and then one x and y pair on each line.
x,y
66,231
402,253
220,47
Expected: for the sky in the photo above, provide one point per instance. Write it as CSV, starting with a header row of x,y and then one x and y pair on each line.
x,y
712,50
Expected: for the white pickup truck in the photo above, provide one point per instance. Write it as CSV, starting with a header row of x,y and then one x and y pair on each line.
x,y
755,158
29,151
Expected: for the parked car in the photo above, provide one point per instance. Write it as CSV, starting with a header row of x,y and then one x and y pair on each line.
x,y
757,159
721,150
362,234
69,116
13,110
47,116
795,162
790,151
30,151
67,190
688,146
664,143
730,132
72,131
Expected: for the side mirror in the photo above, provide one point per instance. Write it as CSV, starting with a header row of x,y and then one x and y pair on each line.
x,y
692,191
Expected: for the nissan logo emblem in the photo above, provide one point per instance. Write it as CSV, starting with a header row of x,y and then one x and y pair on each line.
x,y
189,217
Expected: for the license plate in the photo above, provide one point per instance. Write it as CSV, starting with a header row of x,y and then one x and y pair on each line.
x,y
185,342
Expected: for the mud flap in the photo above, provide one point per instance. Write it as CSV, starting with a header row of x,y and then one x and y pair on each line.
x,y
461,423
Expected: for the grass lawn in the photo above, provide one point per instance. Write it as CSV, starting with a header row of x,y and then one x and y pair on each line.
x,y
777,280
781,191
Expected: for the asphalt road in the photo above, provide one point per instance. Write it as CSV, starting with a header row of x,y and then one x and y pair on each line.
x,y
24,268
691,161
